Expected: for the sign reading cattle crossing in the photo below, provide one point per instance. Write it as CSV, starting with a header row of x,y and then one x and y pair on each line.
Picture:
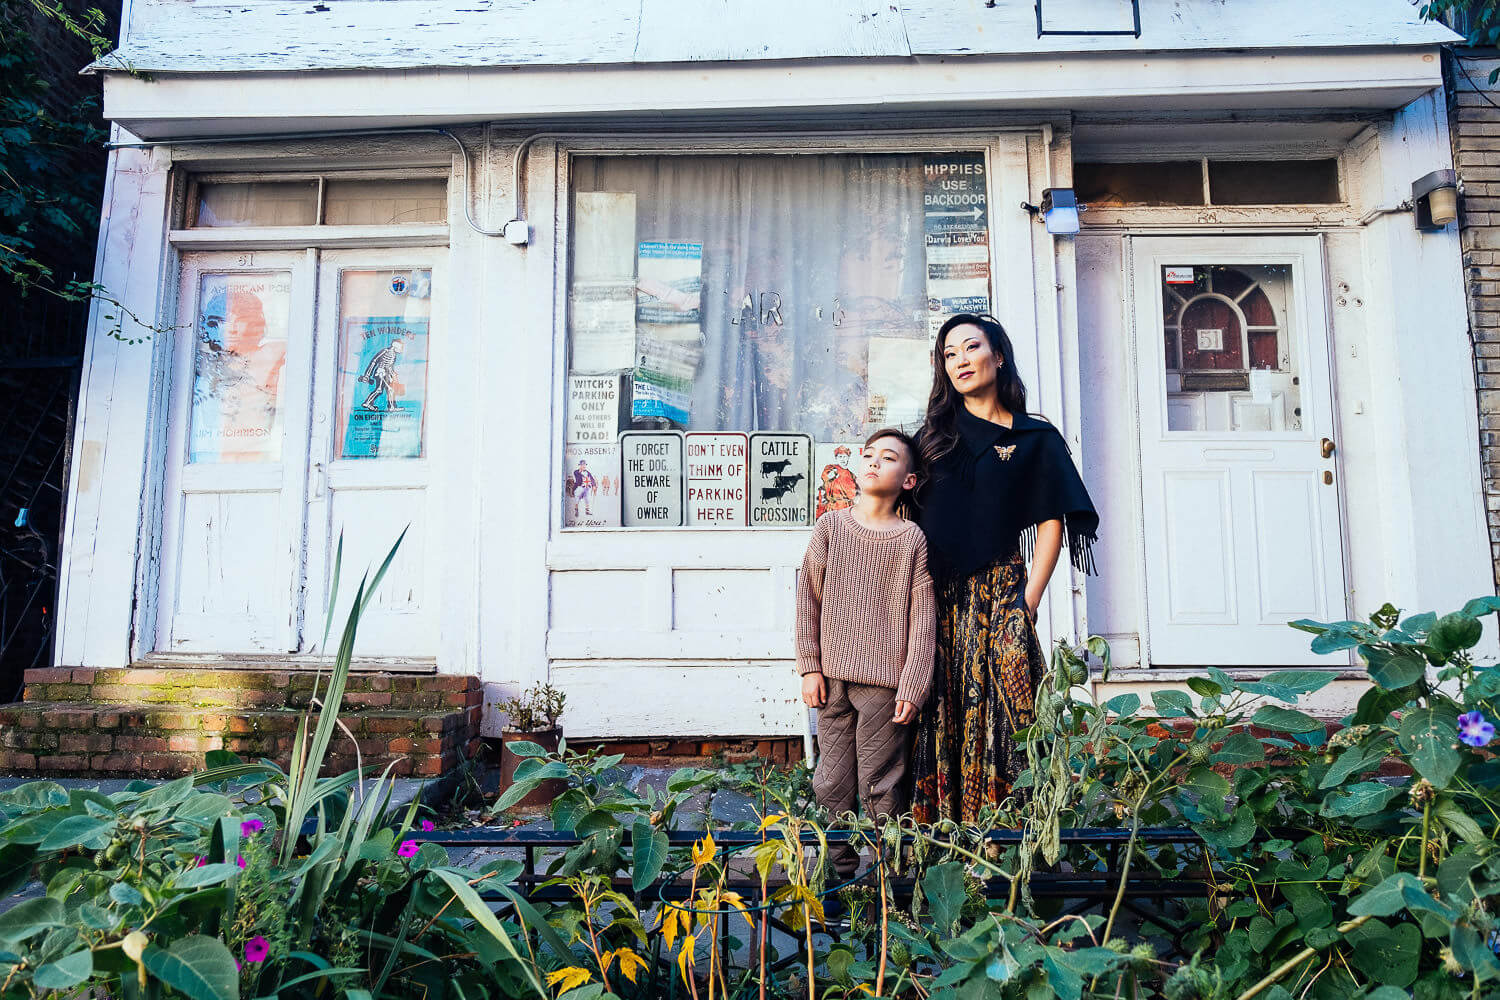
x,y
780,480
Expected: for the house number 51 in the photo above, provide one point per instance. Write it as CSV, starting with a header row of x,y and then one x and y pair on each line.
x,y
245,260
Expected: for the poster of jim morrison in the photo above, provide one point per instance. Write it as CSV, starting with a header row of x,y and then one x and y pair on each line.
x,y
382,387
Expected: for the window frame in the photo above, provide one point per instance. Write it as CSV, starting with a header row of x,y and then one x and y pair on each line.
x,y
909,142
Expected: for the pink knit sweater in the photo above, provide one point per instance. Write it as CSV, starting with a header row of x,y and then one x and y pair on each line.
x,y
865,610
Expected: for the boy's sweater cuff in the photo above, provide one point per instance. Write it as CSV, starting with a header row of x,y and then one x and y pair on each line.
x,y
809,665
914,693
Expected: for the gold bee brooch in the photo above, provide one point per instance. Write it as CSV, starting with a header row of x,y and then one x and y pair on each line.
x,y
1005,452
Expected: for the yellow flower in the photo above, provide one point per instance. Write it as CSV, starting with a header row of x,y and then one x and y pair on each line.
x,y
570,977
630,962
703,850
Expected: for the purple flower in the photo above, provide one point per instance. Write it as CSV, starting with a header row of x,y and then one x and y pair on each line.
x,y
256,949
408,849
1474,729
239,859
250,827
428,826
199,861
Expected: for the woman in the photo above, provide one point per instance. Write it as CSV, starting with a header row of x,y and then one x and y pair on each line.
x,y
1001,489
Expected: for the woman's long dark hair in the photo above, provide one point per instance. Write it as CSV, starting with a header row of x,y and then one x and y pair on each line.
x,y
940,429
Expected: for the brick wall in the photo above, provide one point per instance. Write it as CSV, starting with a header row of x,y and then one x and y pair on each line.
x,y
163,721
1474,127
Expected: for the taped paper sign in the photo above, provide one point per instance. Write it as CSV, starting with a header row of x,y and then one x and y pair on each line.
x,y
591,486
898,379
669,283
593,408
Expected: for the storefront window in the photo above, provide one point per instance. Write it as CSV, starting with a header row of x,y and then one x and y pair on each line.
x,y
772,310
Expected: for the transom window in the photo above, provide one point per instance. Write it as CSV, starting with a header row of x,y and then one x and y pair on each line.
x,y
1205,181
318,200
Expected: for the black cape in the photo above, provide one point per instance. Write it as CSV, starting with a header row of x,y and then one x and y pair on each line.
x,y
984,499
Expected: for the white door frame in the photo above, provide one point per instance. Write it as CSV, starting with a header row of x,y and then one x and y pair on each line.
x,y
1144,254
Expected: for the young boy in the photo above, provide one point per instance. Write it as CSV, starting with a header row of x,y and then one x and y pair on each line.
x,y
866,627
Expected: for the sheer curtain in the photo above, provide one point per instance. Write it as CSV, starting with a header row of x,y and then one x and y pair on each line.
x,y
805,259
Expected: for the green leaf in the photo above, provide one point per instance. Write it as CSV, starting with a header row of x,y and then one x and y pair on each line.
x,y
15,867
35,796
1470,951
1387,955
1393,671
1460,822
196,966
1455,632
943,885
1172,704
1348,763
97,917
526,748
66,973
1386,898
1205,687
1300,681
1123,704
480,911
1241,748
1428,735
1331,641
90,832
126,895
1285,720
1207,784
1360,799
649,848
31,917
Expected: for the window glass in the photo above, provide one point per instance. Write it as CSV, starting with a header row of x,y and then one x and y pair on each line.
x,y
385,203
768,296
238,359
1273,182
1102,185
278,203
1230,364
384,320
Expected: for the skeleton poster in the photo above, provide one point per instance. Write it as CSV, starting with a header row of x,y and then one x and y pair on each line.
x,y
382,387
837,485
780,480
239,354
591,486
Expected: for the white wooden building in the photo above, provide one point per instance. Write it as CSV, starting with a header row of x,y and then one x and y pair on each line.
x,y
413,261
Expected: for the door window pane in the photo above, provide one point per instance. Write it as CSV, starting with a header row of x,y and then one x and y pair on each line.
x,y
384,317
1228,351
385,203
279,203
238,359
754,294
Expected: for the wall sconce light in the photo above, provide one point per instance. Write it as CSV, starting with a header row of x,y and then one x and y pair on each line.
x,y
1059,210
1434,200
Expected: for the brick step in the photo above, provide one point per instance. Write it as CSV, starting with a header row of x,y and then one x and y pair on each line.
x,y
274,689
73,738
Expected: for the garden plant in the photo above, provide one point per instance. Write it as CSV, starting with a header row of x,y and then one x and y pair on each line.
x,y
1356,860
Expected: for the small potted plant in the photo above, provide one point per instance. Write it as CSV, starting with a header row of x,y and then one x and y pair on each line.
x,y
531,717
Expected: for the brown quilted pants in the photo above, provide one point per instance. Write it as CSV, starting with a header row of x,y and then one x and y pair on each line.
x,y
861,754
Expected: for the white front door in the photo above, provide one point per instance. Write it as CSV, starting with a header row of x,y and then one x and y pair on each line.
x,y
1238,459
372,445
299,414
233,521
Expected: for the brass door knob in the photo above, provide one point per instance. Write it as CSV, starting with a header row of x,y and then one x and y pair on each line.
x,y
1326,447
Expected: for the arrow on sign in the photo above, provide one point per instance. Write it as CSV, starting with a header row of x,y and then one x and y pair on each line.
x,y
973,213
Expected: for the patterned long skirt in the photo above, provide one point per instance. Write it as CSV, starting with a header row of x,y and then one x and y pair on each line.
x,y
989,663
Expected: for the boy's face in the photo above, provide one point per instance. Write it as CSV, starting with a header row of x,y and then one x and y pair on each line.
x,y
887,465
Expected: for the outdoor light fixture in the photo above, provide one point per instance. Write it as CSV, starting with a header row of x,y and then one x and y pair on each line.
x,y
1434,200
1059,210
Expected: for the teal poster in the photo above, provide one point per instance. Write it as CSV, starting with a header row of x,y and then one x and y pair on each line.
x,y
382,387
